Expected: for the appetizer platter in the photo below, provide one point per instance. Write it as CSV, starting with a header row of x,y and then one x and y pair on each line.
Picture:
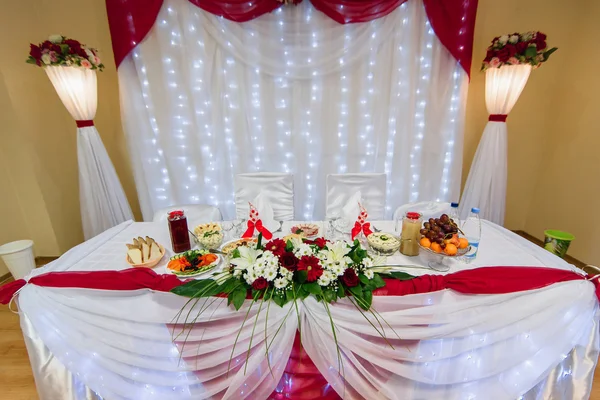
x,y
383,243
306,230
209,236
230,246
144,252
193,263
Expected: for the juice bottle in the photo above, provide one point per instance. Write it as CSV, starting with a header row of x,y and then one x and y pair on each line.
x,y
178,228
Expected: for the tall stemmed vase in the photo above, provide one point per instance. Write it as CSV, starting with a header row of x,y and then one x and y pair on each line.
x,y
486,184
102,199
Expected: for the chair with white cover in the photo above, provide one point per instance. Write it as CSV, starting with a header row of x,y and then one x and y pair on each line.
x,y
196,214
428,209
342,187
276,188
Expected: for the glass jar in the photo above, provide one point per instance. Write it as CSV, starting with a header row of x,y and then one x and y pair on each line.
x,y
178,228
411,233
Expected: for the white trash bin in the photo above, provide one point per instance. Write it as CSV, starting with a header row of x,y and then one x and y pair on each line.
x,y
18,257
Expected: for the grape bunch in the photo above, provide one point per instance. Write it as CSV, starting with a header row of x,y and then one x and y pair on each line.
x,y
439,229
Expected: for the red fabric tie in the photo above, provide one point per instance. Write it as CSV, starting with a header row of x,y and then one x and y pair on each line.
x,y
259,227
82,123
497,117
365,228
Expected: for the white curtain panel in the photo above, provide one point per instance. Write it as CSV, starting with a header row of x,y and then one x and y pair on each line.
x,y
101,196
204,99
486,184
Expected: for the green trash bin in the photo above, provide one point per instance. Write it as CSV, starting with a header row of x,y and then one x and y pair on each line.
x,y
557,242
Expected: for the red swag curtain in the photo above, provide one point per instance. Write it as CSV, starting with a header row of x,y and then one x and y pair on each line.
x,y
453,21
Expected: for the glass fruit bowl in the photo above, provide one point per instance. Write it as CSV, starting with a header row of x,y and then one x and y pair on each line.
x,y
440,261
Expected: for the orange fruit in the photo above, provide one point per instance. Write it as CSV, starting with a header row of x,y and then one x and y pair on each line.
x,y
425,242
436,247
463,243
450,249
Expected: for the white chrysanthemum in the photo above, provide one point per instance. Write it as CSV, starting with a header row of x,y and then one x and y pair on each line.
x,y
270,274
330,275
286,274
303,249
367,262
503,39
527,36
369,273
281,283
55,38
323,280
513,39
338,269
250,277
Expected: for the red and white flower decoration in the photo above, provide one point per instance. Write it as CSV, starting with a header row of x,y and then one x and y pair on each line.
x,y
59,50
517,48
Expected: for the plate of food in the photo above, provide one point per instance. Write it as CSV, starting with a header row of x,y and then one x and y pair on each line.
x,y
306,230
144,252
193,263
231,245
209,236
383,243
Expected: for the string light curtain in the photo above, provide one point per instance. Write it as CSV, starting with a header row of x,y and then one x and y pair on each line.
x,y
486,184
102,199
293,91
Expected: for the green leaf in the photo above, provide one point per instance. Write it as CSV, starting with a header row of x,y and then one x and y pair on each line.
x,y
236,253
289,246
259,241
31,60
341,292
329,295
302,293
237,297
531,51
402,276
549,52
363,279
197,289
228,285
279,299
301,276
356,291
289,295
378,281
368,299
313,288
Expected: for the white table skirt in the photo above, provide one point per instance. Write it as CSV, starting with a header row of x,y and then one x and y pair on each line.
x,y
70,332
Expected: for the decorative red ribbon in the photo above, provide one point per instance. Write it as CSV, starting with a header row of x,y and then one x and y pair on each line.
x,y
366,229
259,227
497,117
82,123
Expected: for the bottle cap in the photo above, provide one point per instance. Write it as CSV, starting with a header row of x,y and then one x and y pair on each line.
x,y
413,215
475,210
454,205
175,214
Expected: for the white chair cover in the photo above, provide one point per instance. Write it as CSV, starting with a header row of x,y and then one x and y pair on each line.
x,y
428,209
195,213
103,201
278,189
340,187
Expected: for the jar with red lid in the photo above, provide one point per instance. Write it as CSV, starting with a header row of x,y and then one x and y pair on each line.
x,y
409,238
178,228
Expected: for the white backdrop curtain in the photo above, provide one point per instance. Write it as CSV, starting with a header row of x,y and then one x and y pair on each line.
x,y
486,184
102,199
204,98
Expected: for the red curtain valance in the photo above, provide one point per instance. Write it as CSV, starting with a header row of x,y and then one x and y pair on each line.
x,y
453,21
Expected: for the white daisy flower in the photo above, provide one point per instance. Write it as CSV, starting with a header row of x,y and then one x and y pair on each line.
x,y
369,274
270,275
367,262
323,280
338,269
281,283
303,250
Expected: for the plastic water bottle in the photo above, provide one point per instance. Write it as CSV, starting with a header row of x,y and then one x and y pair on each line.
x,y
454,213
472,231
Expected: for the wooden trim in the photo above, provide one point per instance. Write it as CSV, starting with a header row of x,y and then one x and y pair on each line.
x,y
568,258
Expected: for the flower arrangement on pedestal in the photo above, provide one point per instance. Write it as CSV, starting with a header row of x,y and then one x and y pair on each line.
x,y
59,50
517,48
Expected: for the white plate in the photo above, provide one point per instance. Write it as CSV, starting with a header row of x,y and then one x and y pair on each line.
x,y
204,271
232,241
306,225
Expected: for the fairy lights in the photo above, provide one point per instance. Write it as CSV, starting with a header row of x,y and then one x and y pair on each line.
x,y
295,92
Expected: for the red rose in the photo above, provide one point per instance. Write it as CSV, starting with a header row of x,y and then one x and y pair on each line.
x,y
512,50
46,44
540,44
350,278
289,261
260,283
503,54
73,43
489,55
521,47
276,246
311,265
540,36
35,51
56,48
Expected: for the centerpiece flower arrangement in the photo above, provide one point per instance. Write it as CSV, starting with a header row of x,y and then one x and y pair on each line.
x,y
517,48
59,50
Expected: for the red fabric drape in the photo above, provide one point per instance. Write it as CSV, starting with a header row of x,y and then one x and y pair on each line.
x,y
497,117
301,379
82,123
453,21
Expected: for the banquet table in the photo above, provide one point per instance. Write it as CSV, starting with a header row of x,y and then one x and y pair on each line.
x,y
115,344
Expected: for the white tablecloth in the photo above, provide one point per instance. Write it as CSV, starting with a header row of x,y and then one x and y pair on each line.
x,y
540,344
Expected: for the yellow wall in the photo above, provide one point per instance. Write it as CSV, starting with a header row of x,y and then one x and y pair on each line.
x,y
551,133
38,140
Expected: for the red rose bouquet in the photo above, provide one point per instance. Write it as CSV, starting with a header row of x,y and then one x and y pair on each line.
x,y
517,48
61,51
